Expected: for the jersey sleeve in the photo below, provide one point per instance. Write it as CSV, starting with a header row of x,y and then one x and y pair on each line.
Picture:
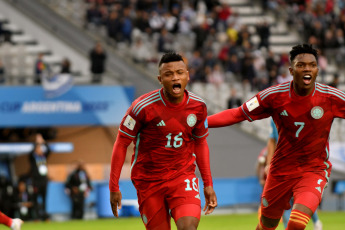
x,y
201,127
338,103
131,123
256,109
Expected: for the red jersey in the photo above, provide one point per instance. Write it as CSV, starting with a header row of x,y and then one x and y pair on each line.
x,y
163,134
303,124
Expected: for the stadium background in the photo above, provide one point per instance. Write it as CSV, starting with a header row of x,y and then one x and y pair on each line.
x,y
55,27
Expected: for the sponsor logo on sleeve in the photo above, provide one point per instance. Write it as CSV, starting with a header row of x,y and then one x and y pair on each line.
x,y
129,122
252,104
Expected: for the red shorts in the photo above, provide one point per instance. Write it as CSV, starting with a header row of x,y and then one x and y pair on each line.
x,y
153,197
278,193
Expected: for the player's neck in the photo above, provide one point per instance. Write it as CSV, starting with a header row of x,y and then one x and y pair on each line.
x,y
173,100
302,91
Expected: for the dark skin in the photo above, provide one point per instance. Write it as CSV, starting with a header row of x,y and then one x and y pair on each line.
x,y
304,70
174,78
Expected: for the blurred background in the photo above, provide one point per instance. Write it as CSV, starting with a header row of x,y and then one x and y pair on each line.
x,y
69,69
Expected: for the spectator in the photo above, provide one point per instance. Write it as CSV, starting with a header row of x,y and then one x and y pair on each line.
x,y
272,76
65,66
140,52
97,58
77,187
113,25
224,12
263,30
25,202
39,173
156,21
40,67
335,82
234,65
284,76
216,75
93,15
170,22
210,59
248,71
127,26
165,41
271,61
234,100
142,22
235,20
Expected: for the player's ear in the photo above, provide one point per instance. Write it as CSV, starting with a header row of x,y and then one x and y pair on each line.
x,y
159,79
291,71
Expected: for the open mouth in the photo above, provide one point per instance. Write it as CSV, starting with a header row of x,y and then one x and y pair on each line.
x,y
176,88
307,79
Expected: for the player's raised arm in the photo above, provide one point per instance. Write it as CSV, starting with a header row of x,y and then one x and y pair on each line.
x,y
225,118
117,160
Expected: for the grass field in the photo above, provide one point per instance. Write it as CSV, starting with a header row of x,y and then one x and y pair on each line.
x,y
331,221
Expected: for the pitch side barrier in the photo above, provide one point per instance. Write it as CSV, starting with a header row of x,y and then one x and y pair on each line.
x,y
231,192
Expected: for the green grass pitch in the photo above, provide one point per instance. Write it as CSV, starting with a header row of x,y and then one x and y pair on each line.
x,y
330,220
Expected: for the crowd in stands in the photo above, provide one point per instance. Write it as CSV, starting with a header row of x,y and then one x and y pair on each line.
x,y
218,46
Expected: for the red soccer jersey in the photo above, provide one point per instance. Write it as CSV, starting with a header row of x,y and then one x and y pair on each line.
x,y
303,125
163,134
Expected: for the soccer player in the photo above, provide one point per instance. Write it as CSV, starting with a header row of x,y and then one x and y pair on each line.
x,y
168,127
271,147
303,111
14,224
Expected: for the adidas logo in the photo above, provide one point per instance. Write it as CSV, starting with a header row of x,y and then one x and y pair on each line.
x,y
284,113
161,123
318,189
197,196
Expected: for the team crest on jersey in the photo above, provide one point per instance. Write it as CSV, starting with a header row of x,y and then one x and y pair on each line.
x,y
317,112
191,120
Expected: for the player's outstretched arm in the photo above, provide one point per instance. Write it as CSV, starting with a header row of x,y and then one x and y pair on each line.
x,y
225,118
210,200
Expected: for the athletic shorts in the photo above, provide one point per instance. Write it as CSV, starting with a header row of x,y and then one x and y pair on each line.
x,y
153,197
278,192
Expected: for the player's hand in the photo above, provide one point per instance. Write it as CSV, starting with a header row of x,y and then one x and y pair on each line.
x,y
210,200
115,202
